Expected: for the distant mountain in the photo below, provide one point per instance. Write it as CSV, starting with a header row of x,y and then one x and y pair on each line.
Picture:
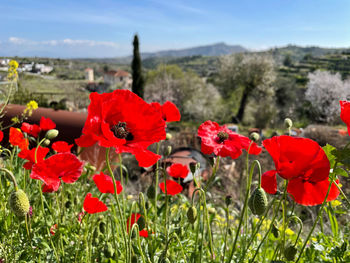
x,y
217,49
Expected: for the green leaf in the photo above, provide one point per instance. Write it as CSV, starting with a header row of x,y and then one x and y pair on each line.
x,y
328,149
341,172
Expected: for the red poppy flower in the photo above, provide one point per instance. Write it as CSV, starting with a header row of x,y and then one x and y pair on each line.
x,y
133,219
93,205
1,136
172,187
47,124
53,229
304,163
345,113
61,146
65,166
123,120
169,111
30,129
17,139
30,156
105,185
223,142
178,170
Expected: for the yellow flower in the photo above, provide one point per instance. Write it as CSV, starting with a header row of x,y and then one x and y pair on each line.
x,y
289,232
32,105
15,119
335,203
12,71
13,64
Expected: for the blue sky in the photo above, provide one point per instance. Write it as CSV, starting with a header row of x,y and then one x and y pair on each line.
x,y
105,28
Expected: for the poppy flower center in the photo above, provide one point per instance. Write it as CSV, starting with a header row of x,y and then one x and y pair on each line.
x,y
222,136
121,131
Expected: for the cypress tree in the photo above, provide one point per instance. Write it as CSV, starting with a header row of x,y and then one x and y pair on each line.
x,y
136,67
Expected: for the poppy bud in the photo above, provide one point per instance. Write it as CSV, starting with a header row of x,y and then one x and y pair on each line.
x,y
254,136
102,227
192,214
193,167
288,123
46,142
108,251
68,204
51,134
290,252
275,231
141,222
151,192
168,136
19,203
169,150
228,200
212,161
258,201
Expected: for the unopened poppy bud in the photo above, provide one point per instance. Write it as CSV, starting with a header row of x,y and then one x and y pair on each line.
x,y
290,252
288,123
68,204
102,227
46,142
108,251
254,136
151,192
51,134
192,214
212,161
258,201
228,200
19,203
168,136
141,222
169,150
275,231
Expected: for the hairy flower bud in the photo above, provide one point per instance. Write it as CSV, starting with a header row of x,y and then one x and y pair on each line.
x,y
102,227
254,136
290,252
192,214
141,223
151,192
46,142
168,136
228,200
19,203
288,123
258,201
275,231
51,134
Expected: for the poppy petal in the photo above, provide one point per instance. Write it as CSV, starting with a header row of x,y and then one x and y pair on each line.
x,y
47,124
178,170
172,187
62,146
104,183
93,205
345,113
269,182
170,112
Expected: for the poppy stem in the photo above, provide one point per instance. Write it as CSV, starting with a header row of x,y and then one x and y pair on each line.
x,y
118,204
319,214
156,191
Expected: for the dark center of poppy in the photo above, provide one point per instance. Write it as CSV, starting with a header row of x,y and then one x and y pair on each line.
x,y
222,136
121,131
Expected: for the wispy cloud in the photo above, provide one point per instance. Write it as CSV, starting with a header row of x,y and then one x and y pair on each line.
x,y
179,6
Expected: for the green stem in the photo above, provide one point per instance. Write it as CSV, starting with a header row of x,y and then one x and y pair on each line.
x,y
226,233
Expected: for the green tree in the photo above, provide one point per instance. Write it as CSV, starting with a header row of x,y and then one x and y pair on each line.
x,y
136,67
248,75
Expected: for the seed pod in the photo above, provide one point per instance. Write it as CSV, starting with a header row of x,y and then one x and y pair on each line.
x,y
258,201
192,214
19,203
51,134
151,192
275,231
288,123
290,252
254,136
193,167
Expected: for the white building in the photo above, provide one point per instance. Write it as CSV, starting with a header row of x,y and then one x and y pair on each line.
x,y
118,79
89,74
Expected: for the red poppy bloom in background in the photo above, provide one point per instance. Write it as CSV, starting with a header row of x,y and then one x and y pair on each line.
x,y
93,205
65,166
345,113
53,229
17,139
178,170
172,187
1,136
123,120
133,220
30,129
47,124
105,185
30,156
62,146
304,163
169,111
223,142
